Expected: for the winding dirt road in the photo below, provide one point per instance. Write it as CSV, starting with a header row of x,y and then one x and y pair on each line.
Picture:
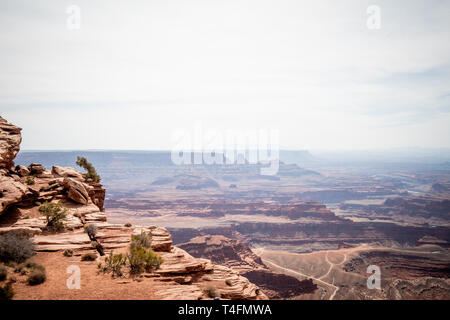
x,y
304,275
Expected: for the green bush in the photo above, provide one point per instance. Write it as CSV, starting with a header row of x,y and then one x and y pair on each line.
x,y
30,180
3,273
91,230
89,257
68,253
91,172
144,239
15,248
6,292
34,266
36,277
26,267
55,213
141,259
113,264
19,268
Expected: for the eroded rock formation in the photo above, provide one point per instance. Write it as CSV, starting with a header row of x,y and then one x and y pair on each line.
x,y
10,139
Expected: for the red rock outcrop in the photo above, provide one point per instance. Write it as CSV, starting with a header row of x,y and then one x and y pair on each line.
x,y
10,139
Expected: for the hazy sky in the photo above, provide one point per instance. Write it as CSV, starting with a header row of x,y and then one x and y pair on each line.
x,y
136,71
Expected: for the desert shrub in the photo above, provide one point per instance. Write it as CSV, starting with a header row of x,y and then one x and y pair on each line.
x,y
16,248
29,180
141,259
211,292
128,224
144,239
68,253
19,268
89,257
34,266
36,277
91,230
55,213
26,267
113,264
6,292
91,172
3,273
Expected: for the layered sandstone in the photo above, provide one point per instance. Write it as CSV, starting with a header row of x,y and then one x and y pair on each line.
x,y
10,139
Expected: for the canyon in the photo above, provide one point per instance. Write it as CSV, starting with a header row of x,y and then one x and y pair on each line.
x,y
304,233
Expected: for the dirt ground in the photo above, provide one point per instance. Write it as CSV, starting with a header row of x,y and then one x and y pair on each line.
x,y
93,285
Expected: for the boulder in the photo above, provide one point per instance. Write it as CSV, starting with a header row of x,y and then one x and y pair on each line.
x,y
36,168
11,192
10,139
77,191
46,174
22,171
66,172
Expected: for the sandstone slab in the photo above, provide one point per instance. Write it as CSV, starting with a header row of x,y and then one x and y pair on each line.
x,y
66,172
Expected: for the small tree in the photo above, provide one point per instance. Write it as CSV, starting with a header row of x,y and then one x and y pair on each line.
x,y
55,214
91,172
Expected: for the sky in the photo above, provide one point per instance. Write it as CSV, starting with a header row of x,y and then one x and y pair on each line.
x,y
136,72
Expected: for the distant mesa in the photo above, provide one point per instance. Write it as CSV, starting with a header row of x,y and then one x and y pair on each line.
x,y
293,170
163,181
196,183
186,182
